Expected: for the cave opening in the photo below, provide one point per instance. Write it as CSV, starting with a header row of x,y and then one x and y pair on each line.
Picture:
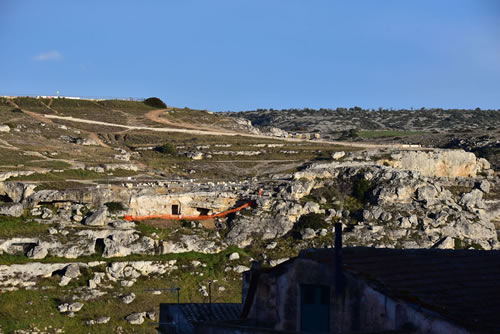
x,y
5,199
203,211
99,246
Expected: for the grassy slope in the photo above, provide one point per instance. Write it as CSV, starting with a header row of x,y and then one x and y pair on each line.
x,y
20,309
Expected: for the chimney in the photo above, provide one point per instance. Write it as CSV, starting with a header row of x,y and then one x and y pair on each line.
x,y
339,276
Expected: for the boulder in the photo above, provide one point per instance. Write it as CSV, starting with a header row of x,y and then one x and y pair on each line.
x,y
338,155
4,128
73,307
98,218
72,270
12,209
239,269
102,320
308,233
274,263
38,252
446,243
136,318
127,299
484,186
234,256
473,200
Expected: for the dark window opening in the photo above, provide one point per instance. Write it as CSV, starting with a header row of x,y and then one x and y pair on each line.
x,y
314,308
99,246
203,211
175,209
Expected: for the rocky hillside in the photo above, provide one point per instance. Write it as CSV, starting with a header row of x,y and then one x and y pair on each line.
x,y
340,119
66,253
476,131
71,263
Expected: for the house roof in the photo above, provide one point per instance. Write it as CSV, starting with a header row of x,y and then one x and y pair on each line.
x,y
461,285
196,312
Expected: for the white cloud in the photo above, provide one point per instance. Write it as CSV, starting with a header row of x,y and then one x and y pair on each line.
x,y
49,56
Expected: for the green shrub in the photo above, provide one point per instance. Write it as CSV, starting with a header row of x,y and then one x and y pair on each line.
x,y
155,102
167,148
311,220
115,206
361,188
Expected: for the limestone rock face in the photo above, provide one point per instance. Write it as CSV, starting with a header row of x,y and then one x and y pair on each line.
x,y
96,197
142,204
192,243
440,163
24,275
38,252
12,209
16,191
98,218
472,200
7,175
72,270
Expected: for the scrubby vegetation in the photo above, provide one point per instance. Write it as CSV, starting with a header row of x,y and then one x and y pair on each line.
x,y
314,221
155,102
167,148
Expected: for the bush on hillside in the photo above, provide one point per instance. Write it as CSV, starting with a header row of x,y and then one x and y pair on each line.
x,y
114,207
155,102
311,220
361,188
167,148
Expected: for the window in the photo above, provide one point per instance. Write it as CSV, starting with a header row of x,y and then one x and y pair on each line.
x,y
314,308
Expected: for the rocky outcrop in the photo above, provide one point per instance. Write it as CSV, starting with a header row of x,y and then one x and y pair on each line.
x,y
11,209
24,275
187,203
192,243
98,218
96,197
440,163
16,191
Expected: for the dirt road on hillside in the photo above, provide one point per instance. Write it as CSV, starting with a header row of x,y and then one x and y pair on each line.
x,y
154,116
233,134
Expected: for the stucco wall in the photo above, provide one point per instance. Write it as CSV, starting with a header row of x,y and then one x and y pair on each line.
x,y
358,307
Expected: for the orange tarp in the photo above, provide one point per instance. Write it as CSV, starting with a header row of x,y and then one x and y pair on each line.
x,y
182,217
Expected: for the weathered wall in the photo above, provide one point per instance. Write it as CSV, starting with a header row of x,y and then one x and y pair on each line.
x,y
358,308
188,203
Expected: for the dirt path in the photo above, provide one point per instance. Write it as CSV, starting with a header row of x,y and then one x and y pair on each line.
x,y
48,106
32,114
94,136
154,116
233,134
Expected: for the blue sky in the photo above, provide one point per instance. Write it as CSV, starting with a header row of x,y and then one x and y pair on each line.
x,y
246,54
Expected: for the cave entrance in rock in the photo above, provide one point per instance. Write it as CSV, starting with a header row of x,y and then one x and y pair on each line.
x,y
203,211
5,199
175,209
99,246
